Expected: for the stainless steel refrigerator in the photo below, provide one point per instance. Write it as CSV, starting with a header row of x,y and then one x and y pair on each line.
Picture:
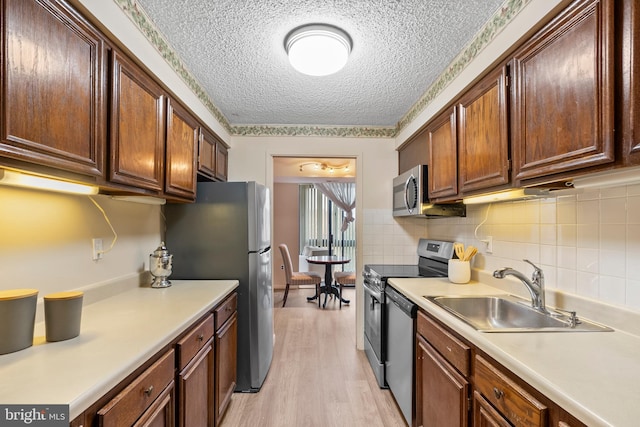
x,y
226,234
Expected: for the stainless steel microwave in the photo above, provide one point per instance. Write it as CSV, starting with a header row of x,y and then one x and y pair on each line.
x,y
410,192
411,196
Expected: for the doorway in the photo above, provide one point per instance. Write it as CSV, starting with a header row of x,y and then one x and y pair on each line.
x,y
306,218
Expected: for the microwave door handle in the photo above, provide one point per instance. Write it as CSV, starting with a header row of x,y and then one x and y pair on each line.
x,y
406,194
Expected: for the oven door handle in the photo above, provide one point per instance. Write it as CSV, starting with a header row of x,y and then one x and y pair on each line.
x,y
376,296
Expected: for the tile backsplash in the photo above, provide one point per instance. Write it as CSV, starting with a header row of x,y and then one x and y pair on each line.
x,y
587,244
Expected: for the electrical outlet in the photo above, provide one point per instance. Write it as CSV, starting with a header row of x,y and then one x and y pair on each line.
x,y
97,253
488,242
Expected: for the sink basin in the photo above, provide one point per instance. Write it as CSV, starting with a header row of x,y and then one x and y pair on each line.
x,y
506,313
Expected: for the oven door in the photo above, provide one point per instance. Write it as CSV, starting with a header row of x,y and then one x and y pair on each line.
x,y
374,330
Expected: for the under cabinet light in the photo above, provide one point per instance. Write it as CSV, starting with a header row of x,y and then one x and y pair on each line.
x,y
23,180
145,200
625,176
508,195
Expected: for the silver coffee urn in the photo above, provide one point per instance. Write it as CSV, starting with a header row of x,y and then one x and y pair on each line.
x,y
160,267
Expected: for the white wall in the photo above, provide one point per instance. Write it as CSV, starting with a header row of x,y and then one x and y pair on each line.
x,y
251,159
46,237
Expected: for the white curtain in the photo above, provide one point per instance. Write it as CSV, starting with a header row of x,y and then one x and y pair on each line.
x,y
343,194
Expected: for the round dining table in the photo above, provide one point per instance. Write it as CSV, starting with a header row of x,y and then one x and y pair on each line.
x,y
329,288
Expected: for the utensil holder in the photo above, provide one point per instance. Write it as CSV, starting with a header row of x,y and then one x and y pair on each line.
x,y
459,271
17,319
62,315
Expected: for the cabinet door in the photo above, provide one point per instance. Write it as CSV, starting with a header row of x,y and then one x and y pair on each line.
x,y
562,96
483,134
195,390
182,142
207,154
52,107
414,153
511,400
221,162
484,415
442,394
630,78
137,126
443,159
226,362
161,413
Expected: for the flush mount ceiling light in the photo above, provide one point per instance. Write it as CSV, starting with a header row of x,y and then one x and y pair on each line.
x,y
318,49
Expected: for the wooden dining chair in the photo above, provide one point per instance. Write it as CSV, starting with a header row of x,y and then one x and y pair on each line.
x,y
297,277
344,278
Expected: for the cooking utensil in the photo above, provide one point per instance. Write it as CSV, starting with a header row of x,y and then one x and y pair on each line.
x,y
469,253
459,249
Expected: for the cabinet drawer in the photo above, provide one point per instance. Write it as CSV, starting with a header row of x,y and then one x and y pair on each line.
x,y
451,348
225,310
189,346
518,406
130,403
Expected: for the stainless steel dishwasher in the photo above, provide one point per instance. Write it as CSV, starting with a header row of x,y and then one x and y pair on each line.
x,y
401,315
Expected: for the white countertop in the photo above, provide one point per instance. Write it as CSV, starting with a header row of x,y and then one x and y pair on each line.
x,y
118,334
595,376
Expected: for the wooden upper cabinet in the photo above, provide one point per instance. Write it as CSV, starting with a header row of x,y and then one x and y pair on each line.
x,y
414,153
483,134
562,94
443,159
183,133
212,157
51,99
207,154
137,126
630,93
221,162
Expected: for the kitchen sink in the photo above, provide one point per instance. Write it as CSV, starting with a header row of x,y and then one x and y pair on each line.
x,y
507,313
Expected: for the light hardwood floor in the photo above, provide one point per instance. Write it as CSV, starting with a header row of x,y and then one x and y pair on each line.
x,y
317,377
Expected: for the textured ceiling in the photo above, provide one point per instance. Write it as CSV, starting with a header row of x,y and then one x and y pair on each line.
x,y
234,51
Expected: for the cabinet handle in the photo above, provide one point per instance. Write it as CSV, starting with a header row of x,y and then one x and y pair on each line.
x,y
498,393
200,337
228,309
149,391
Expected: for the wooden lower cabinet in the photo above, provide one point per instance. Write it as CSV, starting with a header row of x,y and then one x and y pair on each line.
x,y
513,403
226,344
442,393
484,415
161,412
458,385
195,388
135,403
188,384
196,376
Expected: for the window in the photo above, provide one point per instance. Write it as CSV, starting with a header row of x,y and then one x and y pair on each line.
x,y
315,211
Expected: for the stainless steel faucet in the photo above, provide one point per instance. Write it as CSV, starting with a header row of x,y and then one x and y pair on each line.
x,y
535,286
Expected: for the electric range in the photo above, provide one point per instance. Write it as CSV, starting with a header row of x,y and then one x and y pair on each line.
x,y
433,261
